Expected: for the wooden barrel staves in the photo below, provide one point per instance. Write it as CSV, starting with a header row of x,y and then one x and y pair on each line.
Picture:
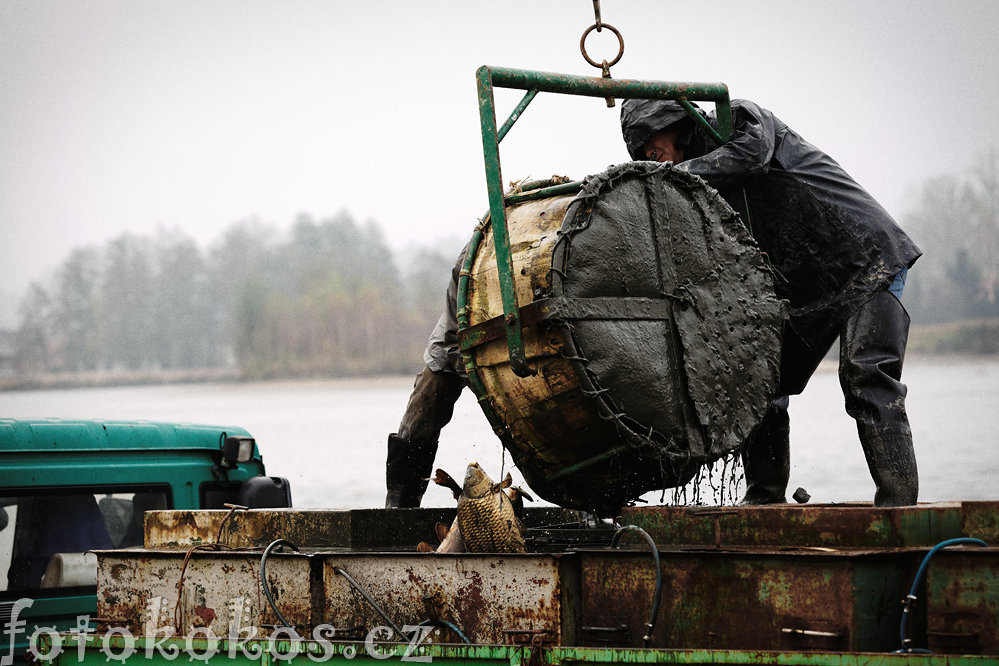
x,y
652,322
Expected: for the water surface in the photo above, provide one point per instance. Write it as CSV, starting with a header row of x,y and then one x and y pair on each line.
x,y
328,436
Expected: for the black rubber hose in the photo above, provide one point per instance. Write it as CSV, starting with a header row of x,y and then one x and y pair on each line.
x,y
654,613
263,577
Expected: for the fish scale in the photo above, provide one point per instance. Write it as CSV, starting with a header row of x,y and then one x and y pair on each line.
x,y
488,524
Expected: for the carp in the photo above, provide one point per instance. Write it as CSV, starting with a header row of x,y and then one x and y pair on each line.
x,y
486,520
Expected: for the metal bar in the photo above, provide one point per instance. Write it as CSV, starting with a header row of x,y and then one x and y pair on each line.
x,y
723,115
700,120
562,308
812,632
583,464
501,239
538,184
253,652
493,329
353,583
517,111
591,86
571,187
532,81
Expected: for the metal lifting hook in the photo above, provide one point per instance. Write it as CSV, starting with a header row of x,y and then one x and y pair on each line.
x,y
604,66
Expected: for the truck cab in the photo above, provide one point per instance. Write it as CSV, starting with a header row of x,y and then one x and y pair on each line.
x,y
68,487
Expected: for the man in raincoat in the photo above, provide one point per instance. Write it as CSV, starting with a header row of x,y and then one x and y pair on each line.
x,y
839,259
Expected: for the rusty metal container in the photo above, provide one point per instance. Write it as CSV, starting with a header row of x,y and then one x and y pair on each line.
x,y
193,591
493,600
962,601
818,525
737,598
747,598
767,578
497,600
651,322
355,529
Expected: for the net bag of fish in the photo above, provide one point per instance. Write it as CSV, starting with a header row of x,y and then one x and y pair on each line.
x,y
651,321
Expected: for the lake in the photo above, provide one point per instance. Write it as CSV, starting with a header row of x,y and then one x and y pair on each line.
x,y
328,436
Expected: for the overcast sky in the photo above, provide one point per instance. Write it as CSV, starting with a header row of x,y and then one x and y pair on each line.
x,y
123,115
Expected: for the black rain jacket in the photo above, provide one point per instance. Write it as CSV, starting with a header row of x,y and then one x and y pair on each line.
x,y
832,244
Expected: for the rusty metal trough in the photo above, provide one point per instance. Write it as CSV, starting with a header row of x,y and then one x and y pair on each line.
x,y
828,578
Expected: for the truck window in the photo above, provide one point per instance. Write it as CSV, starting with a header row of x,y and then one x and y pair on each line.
x,y
45,538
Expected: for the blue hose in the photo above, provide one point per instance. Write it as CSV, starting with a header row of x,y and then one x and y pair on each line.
x,y
448,625
905,642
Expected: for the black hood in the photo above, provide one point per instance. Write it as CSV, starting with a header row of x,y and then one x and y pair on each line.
x,y
641,118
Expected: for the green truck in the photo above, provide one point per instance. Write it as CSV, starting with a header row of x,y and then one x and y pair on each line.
x,y
68,487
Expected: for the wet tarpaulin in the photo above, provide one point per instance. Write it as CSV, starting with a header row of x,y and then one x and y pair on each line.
x,y
658,340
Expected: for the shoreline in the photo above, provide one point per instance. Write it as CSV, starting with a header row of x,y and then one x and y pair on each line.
x,y
106,379
47,381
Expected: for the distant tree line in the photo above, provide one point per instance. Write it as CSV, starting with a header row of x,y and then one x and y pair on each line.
x,y
326,299
955,220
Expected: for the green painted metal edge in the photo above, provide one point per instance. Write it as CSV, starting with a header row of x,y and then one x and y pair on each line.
x,y
593,86
501,240
516,113
51,435
125,649
53,453
463,316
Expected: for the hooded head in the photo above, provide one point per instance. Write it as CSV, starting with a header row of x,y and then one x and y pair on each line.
x,y
641,118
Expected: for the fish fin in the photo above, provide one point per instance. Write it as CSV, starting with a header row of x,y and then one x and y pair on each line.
x,y
424,547
442,478
454,542
441,531
505,483
517,497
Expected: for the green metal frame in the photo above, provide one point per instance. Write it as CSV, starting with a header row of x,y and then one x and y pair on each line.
x,y
534,82
261,652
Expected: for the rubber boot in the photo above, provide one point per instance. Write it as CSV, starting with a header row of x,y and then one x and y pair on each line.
x,y
872,350
412,450
407,471
767,457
